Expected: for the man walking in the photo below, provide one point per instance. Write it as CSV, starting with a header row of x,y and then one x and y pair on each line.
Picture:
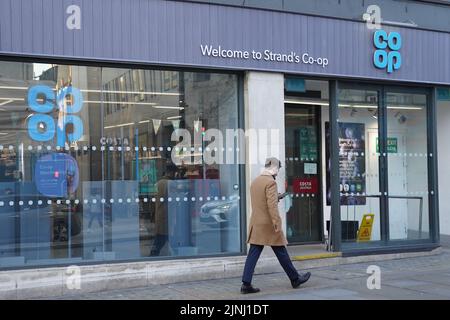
x,y
265,228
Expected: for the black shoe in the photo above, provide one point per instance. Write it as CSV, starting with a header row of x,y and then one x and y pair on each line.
x,y
301,279
248,289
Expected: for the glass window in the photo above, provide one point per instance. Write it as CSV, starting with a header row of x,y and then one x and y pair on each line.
x,y
390,164
359,165
407,166
92,164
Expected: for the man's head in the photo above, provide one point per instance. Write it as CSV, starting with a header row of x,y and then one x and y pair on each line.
x,y
272,166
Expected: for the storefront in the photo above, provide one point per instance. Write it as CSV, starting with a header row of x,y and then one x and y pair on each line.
x,y
380,152
111,111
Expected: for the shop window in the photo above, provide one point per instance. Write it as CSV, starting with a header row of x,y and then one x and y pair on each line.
x,y
384,189
88,170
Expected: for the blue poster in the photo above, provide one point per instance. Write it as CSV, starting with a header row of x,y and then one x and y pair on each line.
x,y
56,175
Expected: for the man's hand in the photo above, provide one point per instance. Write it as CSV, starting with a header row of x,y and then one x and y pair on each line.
x,y
282,195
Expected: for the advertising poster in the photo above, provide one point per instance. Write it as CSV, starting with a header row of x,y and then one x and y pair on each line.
x,y
56,175
352,163
147,175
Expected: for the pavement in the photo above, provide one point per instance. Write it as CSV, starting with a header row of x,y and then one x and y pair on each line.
x,y
425,277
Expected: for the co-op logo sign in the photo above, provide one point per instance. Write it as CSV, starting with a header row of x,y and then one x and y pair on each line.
x,y
42,126
387,56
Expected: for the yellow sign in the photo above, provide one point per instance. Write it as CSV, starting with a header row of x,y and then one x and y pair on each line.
x,y
365,231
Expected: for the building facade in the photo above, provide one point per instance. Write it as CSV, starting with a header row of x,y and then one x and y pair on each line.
x,y
130,130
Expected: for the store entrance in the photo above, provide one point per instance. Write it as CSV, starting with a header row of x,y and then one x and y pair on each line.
x,y
303,173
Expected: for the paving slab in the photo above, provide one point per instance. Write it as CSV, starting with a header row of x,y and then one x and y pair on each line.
x,y
409,278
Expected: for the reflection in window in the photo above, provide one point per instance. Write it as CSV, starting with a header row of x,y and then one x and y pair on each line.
x,y
99,182
358,165
407,166
404,187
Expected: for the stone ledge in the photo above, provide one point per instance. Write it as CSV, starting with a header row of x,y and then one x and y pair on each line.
x,y
51,282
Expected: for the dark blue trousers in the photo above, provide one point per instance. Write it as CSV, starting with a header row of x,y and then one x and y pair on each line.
x,y
158,244
280,252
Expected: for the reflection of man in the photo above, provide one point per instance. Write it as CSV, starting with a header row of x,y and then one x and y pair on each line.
x,y
71,175
7,166
3,170
70,180
96,210
161,211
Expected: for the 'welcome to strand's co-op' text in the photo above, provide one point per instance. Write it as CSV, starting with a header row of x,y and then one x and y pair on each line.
x,y
266,55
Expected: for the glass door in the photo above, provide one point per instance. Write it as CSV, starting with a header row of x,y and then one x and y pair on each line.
x,y
304,214
407,164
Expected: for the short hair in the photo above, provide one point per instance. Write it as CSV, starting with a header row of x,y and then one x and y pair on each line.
x,y
272,161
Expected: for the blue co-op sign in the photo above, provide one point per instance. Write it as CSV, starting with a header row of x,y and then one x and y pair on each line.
x,y
387,55
56,174
42,126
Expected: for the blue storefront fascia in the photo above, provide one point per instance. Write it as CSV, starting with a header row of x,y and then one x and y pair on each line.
x,y
171,33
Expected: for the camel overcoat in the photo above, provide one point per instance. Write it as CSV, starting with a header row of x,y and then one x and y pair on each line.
x,y
265,221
